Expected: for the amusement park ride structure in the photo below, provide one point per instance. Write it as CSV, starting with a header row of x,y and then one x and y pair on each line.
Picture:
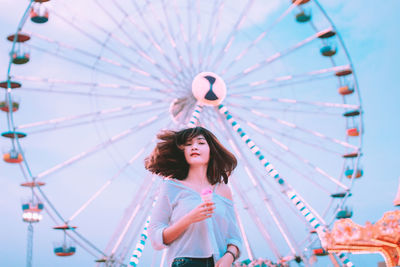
x,y
209,102
382,237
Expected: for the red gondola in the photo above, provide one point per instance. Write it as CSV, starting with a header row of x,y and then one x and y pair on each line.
x,y
4,106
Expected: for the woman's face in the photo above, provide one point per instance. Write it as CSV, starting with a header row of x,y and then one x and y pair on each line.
x,y
197,151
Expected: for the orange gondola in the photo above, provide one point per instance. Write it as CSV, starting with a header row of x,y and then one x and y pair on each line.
x,y
353,132
302,2
345,90
13,157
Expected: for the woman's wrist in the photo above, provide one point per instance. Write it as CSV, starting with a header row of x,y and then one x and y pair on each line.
x,y
231,254
234,249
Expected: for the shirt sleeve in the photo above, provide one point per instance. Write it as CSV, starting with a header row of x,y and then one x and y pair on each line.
x,y
234,236
160,219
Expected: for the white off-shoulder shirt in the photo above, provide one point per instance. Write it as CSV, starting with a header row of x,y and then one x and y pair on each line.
x,y
202,239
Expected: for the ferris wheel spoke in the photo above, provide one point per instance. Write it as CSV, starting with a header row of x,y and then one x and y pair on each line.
x,y
293,101
109,182
85,240
95,114
309,214
179,74
211,41
82,64
83,93
307,162
62,220
280,84
260,65
256,219
210,36
138,48
305,130
172,38
262,130
198,34
66,232
152,40
94,57
285,200
100,146
89,36
136,232
142,187
140,69
137,253
185,36
95,120
263,195
132,217
52,82
230,37
278,81
249,250
296,111
134,67
259,38
82,245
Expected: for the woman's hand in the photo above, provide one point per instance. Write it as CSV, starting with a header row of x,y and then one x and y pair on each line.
x,y
201,212
225,261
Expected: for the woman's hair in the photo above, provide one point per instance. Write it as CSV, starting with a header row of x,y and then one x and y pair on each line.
x,y
168,159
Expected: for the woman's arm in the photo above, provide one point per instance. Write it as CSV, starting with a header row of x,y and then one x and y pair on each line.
x,y
200,213
234,234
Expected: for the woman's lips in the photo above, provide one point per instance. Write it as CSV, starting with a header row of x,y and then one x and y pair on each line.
x,y
194,154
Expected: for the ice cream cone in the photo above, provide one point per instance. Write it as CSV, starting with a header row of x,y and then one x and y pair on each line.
x,y
206,195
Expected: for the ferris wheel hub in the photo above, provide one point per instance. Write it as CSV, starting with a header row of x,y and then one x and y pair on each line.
x,y
208,88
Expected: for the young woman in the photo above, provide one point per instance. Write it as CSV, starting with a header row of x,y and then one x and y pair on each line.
x,y
196,233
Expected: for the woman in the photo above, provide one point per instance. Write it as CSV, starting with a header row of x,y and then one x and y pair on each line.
x,y
196,233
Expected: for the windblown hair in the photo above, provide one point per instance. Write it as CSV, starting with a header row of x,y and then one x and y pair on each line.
x,y
168,159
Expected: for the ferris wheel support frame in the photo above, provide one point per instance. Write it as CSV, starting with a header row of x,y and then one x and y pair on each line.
x,y
253,214
258,186
300,205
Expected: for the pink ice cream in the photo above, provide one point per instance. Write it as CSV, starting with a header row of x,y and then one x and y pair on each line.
x,y
206,195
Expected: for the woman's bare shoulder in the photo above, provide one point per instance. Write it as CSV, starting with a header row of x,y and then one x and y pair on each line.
x,y
224,190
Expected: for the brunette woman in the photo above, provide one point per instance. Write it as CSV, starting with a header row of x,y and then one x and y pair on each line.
x,y
196,233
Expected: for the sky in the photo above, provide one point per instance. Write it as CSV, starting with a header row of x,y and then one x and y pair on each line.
x,y
370,34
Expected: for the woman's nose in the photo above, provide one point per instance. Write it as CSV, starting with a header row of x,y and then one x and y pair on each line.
x,y
194,146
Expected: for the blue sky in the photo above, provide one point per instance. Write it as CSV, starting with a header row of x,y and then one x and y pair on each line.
x,y
370,33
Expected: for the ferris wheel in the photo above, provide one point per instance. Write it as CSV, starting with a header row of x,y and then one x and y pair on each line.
x,y
98,80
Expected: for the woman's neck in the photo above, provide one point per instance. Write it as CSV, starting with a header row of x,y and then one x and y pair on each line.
x,y
198,175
